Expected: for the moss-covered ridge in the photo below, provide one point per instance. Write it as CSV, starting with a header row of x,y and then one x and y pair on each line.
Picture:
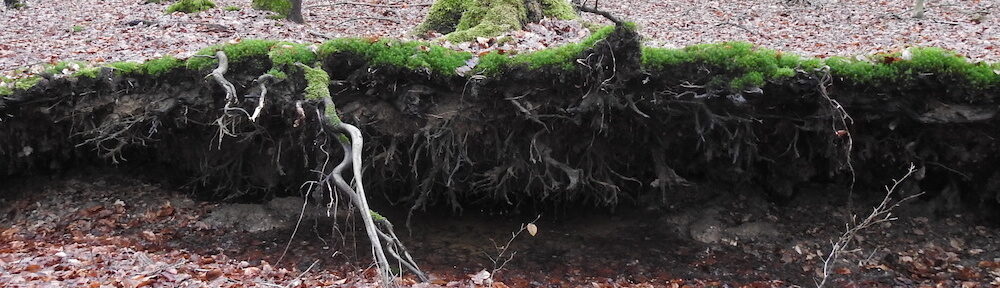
x,y
734,65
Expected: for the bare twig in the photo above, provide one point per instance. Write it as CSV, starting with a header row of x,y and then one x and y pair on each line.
x,y
606,14
499,262
880,214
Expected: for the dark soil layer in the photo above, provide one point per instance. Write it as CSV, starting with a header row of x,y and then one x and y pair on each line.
x,y
601,134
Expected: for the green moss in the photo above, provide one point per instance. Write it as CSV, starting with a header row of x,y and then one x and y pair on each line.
x,y
749,65
563,57
190,6
375,215
443,16
317,85
26,83
277,73
488,18
204,58
738,64
412,55
76,29
289,53
232,8
87,72
160,65
282,7
559,9
464,20
122,68
66,66
750,79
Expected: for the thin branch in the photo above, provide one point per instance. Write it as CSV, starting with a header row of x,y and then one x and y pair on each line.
x,y
880,214
606,14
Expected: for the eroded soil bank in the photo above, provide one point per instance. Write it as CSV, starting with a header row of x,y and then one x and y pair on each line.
x,y
115,229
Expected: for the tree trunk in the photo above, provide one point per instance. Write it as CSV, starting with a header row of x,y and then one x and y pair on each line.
x,y
466,20
295,14
918,9
13,4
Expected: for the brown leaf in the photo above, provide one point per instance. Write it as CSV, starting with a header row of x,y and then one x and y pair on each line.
x,y
213,274
843,271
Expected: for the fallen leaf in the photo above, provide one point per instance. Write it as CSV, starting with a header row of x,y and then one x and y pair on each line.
x,y
480,277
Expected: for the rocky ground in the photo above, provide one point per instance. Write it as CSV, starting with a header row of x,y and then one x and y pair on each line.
x,y
110,30
106,229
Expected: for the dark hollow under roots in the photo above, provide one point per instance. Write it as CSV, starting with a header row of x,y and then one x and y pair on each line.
x,y
602,134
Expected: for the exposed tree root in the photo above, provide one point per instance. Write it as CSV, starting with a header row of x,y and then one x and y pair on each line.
x,y
263,80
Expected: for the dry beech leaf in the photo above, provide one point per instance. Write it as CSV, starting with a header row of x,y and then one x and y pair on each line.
x,y
532,229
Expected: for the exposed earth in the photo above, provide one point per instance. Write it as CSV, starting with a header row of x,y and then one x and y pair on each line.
x,y
105,229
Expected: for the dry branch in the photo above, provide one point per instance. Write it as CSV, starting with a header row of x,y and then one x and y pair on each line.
x,y
880,214
594,10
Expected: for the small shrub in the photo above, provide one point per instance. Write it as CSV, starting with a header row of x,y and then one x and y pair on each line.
x,y
190,6
232,8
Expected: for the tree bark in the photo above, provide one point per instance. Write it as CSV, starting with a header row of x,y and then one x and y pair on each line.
x,y
295,14
918,9
12,4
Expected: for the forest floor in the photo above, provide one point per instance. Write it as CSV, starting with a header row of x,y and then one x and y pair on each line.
x,y
111,230
107,30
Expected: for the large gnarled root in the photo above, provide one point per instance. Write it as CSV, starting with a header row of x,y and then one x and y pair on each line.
x,y
352,147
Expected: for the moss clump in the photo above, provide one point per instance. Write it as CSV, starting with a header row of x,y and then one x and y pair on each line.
x,y
232,8
285,53
894,67
18,84
562,57
204,58
376,216
282,7
160,65
464,20
190,6
277,73
412,55
87,72
488,18
738,64
123,68
751,66
318,89
66,67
